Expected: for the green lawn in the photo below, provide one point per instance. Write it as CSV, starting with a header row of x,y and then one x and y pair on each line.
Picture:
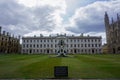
x,y
42,66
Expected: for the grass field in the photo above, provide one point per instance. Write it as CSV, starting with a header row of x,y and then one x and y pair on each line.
x,y
42,66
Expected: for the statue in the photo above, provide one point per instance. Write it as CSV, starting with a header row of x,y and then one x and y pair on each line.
x,y
61,51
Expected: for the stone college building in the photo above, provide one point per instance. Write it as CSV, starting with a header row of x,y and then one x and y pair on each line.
x,y
112,34
8,43
72,44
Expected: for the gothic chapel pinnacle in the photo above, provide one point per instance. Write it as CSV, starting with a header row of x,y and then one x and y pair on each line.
x,y
112,33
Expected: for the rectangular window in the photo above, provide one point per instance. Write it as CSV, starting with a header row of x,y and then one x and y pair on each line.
x,y
78,45
85,45
37,40
34,45
95,45
44,40
92,45
88,40
81,45
37,46
41,45
74,45
27,46
23,45
71,45
30,40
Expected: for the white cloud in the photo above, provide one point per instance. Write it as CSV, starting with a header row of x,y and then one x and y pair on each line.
x,y
90,18
30,17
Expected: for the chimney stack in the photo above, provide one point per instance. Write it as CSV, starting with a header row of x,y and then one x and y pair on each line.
x,y
7,33
3,32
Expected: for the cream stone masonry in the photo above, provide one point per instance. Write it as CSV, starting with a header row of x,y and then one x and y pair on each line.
x,y
73,44
8,43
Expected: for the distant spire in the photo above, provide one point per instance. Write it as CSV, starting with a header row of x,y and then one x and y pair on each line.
x,y
118,17
106,18
19,37
112,20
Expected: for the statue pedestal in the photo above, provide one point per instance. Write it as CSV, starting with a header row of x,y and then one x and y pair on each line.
x,y
61,55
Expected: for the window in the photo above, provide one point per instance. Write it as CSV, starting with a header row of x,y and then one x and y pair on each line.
x,y
81,45
74,45
37,46
82,50
92,40
71,45
67,40
34,45
78,45
74,40
81,40
30,40
88,40
55,40
95,40
55,45
23,40
27,45
99,45
44,40
41,45
37,40
48,45
23,45
37,50
44,45
48,40
85,45
95,45
92,45
99,40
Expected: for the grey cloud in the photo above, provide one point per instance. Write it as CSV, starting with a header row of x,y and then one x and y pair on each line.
x,y
18,19
94,21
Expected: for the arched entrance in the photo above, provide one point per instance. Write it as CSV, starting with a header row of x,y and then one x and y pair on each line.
x,y
93,51
114,51
48,51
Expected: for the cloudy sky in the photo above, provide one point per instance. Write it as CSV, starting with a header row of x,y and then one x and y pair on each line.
x,y
35,17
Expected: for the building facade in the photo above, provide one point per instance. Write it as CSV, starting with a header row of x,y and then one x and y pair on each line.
x,y
112,34
9,44
50,44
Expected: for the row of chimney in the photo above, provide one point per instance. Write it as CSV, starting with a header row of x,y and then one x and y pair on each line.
x,y
4,32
